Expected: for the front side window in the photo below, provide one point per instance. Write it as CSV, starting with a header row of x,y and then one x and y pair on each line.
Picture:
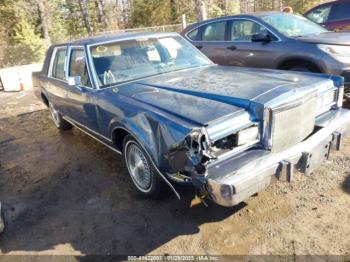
x,y
340,11
58,64
214,32
77,66
319,15
243,30
127,60
293,25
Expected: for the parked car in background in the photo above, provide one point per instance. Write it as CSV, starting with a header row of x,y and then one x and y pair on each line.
x,y
273,40
334,15
177,117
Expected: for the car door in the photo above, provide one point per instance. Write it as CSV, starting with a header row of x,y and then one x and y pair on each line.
x,y
211,39
80,104
56,85
244,51
229,42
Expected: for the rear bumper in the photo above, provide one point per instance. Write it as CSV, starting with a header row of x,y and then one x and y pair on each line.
x,y
232,180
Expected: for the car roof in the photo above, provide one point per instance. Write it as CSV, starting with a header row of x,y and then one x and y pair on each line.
x,y
117,37
245,15
326,3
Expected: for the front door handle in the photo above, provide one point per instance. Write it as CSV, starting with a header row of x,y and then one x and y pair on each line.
x,y
199,46
232,47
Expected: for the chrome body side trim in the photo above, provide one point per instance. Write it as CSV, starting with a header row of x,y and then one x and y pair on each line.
x,y
90,130
80,127
72,122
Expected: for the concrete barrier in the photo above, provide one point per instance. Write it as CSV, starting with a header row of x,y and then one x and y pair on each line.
x,y
18,78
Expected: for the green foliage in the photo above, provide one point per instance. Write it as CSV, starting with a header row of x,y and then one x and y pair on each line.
x,y
28,46
150,13
215,11
22,44
22,22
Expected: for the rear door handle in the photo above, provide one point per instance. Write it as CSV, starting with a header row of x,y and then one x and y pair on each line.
x,y
232,47
199,46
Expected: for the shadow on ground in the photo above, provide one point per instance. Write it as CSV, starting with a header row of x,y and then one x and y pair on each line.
x,y
64,187
346,184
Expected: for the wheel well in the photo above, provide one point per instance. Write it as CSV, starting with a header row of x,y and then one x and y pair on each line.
x,y
285,65
118,137
44,99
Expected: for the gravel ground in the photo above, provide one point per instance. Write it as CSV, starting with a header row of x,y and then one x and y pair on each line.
x,y
64,193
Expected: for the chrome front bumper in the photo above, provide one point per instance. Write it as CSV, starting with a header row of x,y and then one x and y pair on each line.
x,y
231,180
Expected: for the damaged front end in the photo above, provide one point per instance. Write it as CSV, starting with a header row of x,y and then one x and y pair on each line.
x,y
202,146
236,156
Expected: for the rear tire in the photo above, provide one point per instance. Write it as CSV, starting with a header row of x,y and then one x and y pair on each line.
x,y
59,122
141,170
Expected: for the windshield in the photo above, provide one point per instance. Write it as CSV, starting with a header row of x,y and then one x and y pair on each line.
x,y
133,59
293,25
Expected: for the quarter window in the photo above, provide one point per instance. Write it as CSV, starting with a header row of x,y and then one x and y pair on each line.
x,y
194,35
319,15
243,30
214,32
58,65
77,67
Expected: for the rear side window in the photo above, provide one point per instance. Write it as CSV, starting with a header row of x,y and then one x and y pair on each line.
x,y
320,15
340,11
77,66
58,64
214,31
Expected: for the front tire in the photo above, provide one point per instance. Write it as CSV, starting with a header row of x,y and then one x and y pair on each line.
x,y
59,122
141,170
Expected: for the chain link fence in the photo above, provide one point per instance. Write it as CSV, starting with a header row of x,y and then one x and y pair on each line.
x,y
162,28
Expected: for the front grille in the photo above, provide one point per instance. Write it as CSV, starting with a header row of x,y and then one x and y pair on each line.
x,y
290,124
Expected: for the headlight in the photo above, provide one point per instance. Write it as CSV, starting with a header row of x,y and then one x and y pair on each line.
x,y
248,135
325,101
336,50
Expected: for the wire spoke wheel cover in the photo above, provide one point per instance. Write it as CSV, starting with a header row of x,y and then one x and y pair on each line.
x,y
139,167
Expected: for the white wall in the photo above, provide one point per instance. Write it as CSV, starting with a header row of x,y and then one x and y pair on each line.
x,y
14,77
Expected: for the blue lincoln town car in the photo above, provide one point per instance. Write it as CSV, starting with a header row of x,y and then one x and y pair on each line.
x,y
177,117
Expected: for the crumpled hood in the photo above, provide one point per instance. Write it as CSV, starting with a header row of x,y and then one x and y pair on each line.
x,y
202,95
331,38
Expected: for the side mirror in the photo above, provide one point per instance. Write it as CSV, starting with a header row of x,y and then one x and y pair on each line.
x,y
261,38
74,80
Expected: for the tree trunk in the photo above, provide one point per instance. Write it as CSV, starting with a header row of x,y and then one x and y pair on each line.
x,y
124,11
44,21
173,11
201,10
226,7
84,11
101,14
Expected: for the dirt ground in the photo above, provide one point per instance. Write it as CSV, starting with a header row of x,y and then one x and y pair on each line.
x,y
64,193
